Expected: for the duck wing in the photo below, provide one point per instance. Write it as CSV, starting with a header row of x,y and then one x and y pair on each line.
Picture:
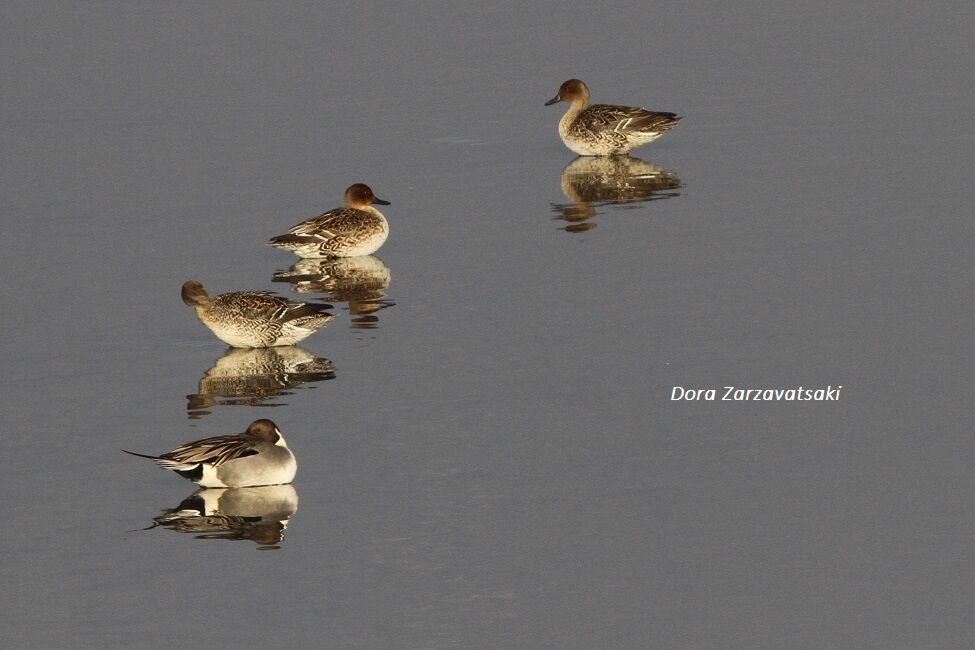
x,y
212,451
268,307
331,224
626,118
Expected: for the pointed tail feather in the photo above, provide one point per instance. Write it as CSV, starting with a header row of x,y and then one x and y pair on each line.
x,y
167,463
307,309
155,458
291,241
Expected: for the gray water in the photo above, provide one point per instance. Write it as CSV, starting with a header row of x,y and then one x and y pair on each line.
x,y
488,453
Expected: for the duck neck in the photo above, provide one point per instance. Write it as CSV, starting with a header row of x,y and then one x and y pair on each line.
x,y
571,113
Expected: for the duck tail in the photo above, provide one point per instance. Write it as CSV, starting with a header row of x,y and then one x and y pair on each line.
x,y
155,458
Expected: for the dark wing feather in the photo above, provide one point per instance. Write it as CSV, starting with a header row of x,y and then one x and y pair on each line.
x,y
267,307
300,311
332,223
214,451
296,240
642,120
625,118
252,305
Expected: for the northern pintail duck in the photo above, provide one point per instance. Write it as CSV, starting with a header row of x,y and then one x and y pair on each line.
x,y
260,514
359,281
349,231
255,319
604,129
258,456
616,179
591,181
250,376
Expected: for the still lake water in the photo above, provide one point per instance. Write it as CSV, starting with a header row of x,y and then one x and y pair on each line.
x,y
488,455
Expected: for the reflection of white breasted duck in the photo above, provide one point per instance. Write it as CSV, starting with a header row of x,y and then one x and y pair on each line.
x,y
349,231
259,513
258,456
604,129
255,319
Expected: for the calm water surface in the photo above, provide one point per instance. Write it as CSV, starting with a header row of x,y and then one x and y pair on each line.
x,y
488,455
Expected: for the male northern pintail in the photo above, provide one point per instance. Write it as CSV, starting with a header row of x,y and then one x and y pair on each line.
x,y
356,229
260,514
255,319
258,456
603,129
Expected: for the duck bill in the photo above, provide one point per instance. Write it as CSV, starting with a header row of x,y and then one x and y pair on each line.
x,y
378,201
554,100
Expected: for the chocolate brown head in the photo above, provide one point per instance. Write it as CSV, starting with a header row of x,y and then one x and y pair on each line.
x,y
570,91
265,430
360,195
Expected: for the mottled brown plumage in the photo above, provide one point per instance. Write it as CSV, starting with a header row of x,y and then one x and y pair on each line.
x,y
606,129
353,230
251,376
255,319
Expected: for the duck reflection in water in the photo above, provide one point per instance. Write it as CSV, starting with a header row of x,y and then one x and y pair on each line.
x,y
252,376
358,281
259,514
591,181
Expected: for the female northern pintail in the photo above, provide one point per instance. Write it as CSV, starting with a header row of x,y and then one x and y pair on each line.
x,y
252,376
258,456
255,319
603,129
356,229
